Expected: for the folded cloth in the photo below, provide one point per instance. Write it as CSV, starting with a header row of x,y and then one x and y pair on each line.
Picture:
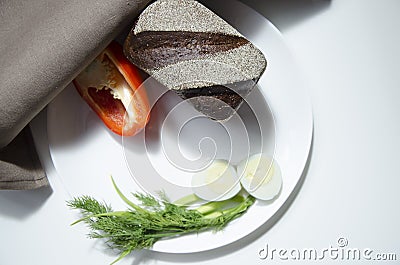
x,y
20,167
44,44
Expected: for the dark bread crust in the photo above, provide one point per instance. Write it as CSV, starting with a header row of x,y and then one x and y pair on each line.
x,y
156,49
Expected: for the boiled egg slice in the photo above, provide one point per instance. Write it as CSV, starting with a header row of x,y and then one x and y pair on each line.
x,y
217,182
260,176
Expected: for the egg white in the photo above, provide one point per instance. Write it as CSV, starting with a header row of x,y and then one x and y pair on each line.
x,y
260,176
218,182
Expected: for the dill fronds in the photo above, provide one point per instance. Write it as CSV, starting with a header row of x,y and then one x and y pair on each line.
x,y
143,224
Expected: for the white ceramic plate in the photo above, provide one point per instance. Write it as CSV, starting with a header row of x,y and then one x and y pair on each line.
x,y
85,153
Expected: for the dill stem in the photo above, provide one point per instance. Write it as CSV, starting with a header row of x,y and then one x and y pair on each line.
x,y
177,233
187,200
126,200
213,206
230,211
170,234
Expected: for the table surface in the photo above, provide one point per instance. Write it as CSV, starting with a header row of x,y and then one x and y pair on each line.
x,y
349,53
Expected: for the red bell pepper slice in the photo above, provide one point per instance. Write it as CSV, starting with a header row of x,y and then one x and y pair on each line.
x,y
110,85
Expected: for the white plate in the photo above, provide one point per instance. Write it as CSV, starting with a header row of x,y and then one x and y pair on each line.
x,y
85,153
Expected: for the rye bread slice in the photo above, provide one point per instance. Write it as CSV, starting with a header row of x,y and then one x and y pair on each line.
x,y
191,50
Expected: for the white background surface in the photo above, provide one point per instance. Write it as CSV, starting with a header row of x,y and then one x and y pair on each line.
x,y
349,53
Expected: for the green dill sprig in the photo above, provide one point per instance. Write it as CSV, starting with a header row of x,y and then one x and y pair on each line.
x,y
143,224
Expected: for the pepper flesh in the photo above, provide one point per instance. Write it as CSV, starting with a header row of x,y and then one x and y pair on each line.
x,y
111,85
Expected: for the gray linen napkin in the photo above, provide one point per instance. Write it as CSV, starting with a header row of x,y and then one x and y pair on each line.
x,y
44,44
